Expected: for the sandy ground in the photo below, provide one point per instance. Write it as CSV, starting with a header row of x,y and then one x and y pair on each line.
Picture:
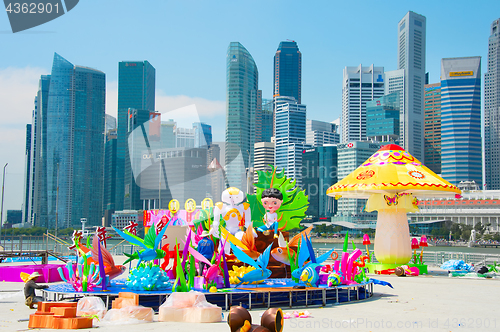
x,y
433,302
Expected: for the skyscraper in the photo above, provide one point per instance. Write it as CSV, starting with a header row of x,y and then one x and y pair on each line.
x,y
70,181
432,127
288,71
492,110
319,172
349,157
461,157
241,104
136,90
290,130
411,58
39,152
382,118
319,133
28,177
109,174
360,85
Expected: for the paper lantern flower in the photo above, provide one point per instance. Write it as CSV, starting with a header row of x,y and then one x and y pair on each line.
x,y
391,179
366,240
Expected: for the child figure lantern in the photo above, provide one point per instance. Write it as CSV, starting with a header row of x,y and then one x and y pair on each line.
x,y
392,180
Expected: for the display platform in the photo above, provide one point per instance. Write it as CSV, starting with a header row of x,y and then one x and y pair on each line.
x,y
271,293
373,267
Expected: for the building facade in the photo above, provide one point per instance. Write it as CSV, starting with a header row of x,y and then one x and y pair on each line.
x,y
360,85
411,58
136,90
290,129
350,156
71,138
39,152
432,127
27,193
264,156
319,172
179,173
109,174
320,133
474,207
461,151
382,118
288,71
492,110
242,85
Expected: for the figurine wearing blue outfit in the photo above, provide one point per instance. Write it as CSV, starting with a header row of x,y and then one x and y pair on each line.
x,y
206,248
272,199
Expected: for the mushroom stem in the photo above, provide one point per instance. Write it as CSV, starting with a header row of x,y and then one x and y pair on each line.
x,y
392,237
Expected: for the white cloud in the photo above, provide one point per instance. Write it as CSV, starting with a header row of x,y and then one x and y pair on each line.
x,y
18,87
205,108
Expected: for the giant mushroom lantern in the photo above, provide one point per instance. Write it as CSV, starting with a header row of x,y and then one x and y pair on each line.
x,y
392,180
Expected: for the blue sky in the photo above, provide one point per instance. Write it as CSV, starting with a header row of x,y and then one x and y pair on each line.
x,y
186,41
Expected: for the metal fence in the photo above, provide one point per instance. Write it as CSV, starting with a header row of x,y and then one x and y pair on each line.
x,y
439,257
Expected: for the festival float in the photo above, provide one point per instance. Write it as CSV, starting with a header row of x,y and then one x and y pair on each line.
x,y
210,257
393,180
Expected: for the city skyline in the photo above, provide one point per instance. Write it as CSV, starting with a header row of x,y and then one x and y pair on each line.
x,y
320,88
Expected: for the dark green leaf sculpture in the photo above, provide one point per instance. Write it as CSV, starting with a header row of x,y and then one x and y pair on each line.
x,y
295,202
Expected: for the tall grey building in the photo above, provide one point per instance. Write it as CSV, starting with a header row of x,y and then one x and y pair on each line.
x,y
136,90
411,58
320,133
241,104
69,146
360,85
290,130
492,110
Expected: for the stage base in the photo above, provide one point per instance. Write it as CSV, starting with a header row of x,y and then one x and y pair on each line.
x,y
272,293
372,267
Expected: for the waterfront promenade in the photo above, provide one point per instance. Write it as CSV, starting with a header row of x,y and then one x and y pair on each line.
x,y
433,302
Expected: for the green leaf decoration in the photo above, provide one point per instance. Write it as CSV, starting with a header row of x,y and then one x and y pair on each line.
x,y
205,218
295,202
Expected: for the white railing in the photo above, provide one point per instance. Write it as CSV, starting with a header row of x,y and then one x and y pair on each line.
x,y
439,257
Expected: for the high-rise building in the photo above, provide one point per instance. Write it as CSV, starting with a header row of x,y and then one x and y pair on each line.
x,y
461,153
350,156
382,118
136,90
39,152
109,174
264,156
411,58
263,119
319,133
202,134
110,123
360,85
290,129
28,177
319,172
492,110
71,123
432,127
215,178
288,71
183,175
241,104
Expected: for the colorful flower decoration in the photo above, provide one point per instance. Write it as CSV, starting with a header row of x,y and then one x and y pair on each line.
x,y
416,174
365,175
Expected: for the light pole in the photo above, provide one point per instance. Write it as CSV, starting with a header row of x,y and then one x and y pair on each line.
x,y
3,186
